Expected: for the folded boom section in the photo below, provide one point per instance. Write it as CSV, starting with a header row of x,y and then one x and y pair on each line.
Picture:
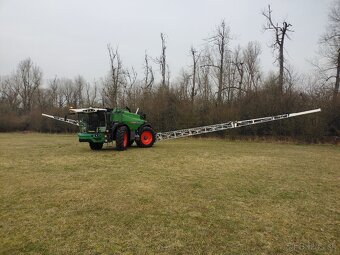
x,y
69,121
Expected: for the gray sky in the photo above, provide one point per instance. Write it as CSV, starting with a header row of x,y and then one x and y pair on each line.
x,y
69,37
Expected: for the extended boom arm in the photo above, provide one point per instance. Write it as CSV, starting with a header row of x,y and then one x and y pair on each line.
x,y
227,125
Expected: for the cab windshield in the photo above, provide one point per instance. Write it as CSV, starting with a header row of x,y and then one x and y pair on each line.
x,y
91,121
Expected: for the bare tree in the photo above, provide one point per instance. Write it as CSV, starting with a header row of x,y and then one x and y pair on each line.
x,y
330,48
113,84
9,94
204,83
220,42
231,74
78,95
53,86
195,58
91,94
280,34
238,62
130,80
162,61
67,92
28,80
251,60
148,74
57,92
183,82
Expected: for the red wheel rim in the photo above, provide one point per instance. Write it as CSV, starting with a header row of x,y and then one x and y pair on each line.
x,y
146,137
125,139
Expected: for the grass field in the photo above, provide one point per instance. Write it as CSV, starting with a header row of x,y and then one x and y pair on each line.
x,y
189,196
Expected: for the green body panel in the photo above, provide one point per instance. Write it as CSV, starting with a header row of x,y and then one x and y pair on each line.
x,y
113,118
92,137
132,120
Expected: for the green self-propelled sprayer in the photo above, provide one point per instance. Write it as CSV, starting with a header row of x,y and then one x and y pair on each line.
x,y
104,125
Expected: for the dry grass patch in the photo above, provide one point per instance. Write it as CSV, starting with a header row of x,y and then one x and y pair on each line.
x,y
188,196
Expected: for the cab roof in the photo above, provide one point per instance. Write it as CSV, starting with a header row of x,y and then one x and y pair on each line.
x,y
87,110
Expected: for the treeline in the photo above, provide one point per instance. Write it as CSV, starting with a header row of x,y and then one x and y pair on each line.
x,y
222,83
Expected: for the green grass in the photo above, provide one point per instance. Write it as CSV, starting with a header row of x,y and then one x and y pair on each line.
x,y
187,196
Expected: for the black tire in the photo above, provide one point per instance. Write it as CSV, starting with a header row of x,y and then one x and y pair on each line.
x,y
145,134
122,138
96,146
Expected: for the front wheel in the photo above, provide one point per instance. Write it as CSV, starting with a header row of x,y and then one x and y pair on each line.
x,y
122,138
147,137
96,146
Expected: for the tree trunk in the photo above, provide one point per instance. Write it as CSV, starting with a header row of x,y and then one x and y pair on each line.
x,y
281,69
337,79
193,84
220,77
194,67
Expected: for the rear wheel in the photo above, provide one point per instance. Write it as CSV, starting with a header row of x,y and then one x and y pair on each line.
x,y
96,146
122,138
147,137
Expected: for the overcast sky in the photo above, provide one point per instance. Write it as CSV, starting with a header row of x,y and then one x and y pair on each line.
x,y
69,37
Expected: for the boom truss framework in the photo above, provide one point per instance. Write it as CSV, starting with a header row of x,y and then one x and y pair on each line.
x,y
69,121
227,125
